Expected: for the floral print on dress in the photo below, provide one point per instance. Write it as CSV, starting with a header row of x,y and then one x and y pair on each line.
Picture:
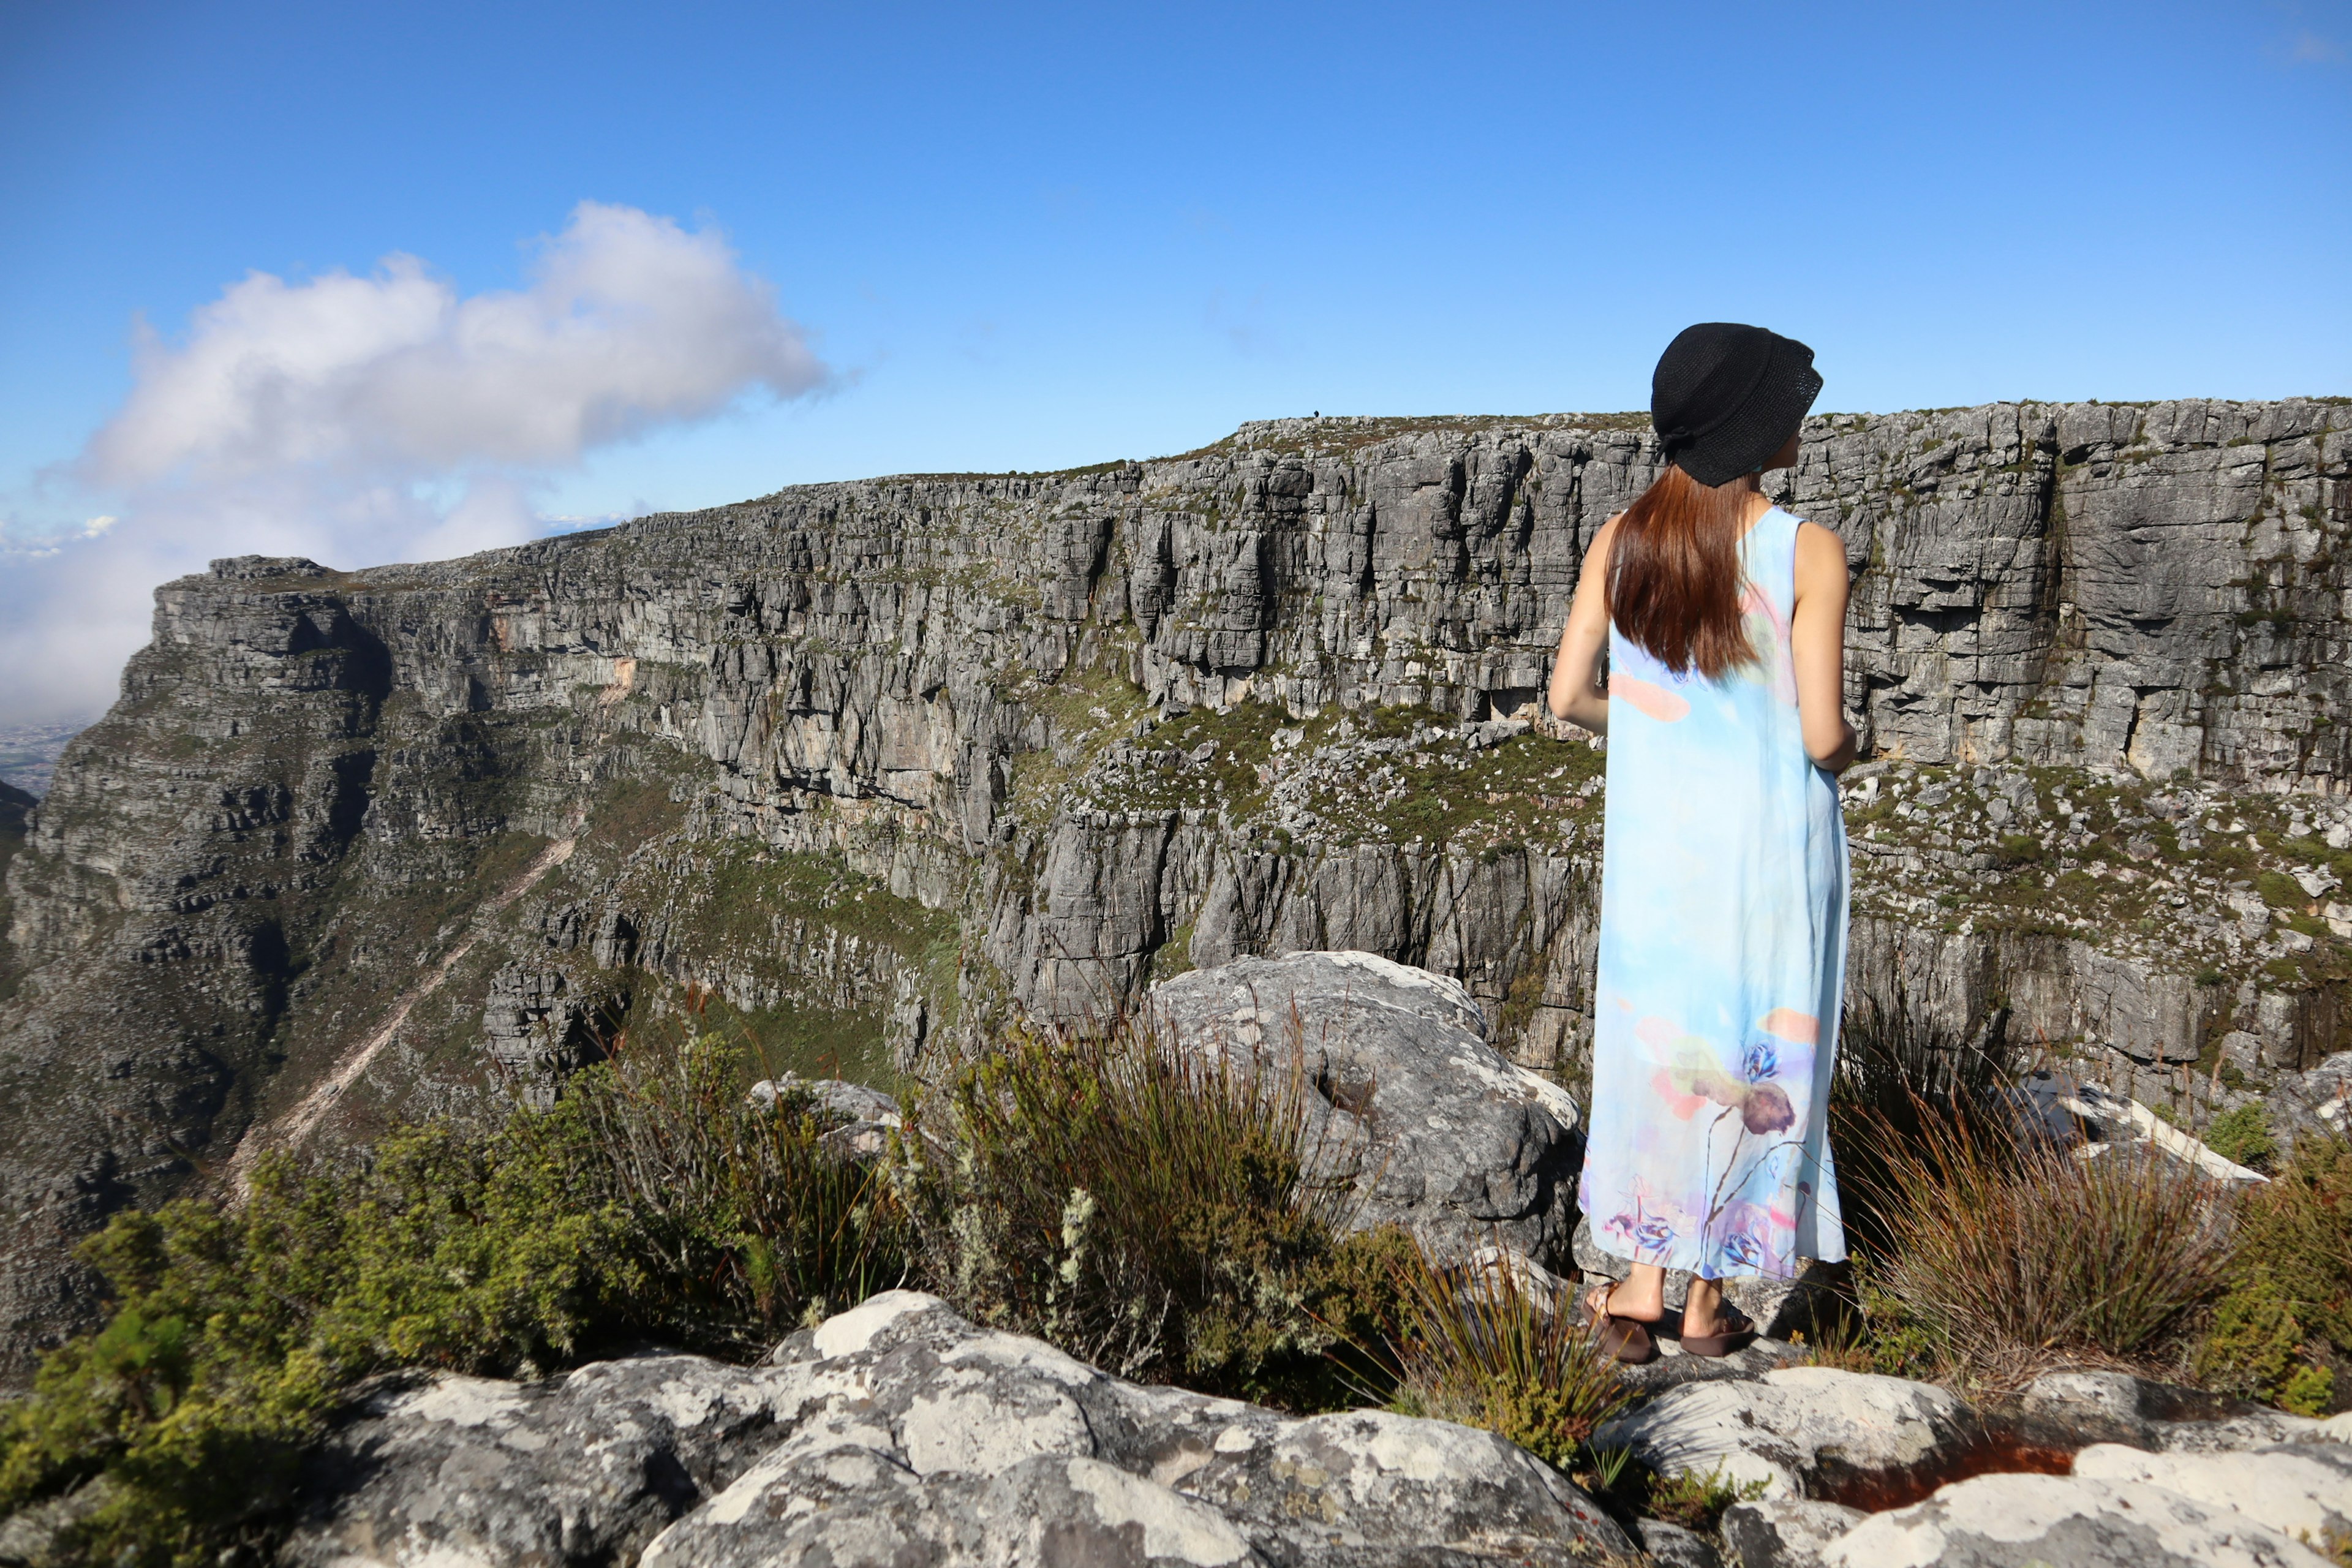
x,y
1723,922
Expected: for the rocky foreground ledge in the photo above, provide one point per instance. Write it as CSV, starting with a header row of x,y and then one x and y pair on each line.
x,y
900,1434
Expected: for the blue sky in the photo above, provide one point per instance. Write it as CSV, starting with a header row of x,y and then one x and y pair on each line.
x,y
1034,237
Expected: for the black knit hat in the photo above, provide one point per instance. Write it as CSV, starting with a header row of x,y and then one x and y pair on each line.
x,y
1725,397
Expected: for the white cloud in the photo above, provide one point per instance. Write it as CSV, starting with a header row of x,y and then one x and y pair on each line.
x,y
317,417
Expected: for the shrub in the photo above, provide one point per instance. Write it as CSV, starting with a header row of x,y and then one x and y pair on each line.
x,y
1479,1349
2006,1251
2019,849
2243,1135
651,1202
734,1223
2289,1302
1158,1212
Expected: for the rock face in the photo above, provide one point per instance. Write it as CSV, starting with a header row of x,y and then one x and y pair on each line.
x,y
1447,1137
898,1432
868,762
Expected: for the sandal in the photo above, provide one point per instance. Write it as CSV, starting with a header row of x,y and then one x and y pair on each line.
x,y
1736,1329
1622,1338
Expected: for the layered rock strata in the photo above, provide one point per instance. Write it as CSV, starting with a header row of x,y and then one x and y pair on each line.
x,y
859,763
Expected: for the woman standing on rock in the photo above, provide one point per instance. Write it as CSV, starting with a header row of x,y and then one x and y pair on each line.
x,y
1723,893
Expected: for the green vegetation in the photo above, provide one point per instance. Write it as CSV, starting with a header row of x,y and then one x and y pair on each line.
x,y
1696,1501
1158,1212
1479,1349
654,1200
2008,1253
2284,1324
2242,1135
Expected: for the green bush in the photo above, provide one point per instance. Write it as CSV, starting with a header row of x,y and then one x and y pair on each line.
x,y
2289,1302
1155,1210
652,1201
2243,1135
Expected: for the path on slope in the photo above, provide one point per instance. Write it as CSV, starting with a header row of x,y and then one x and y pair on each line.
x,y
290,1129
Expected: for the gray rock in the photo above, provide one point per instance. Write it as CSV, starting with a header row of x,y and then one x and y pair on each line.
x,y
2303,1490
897,1431
859,1120
1802,1431
2020,1520
1784,1532
918,1433
1672,1546
1450,1139
586,1469
2072,1410
2315,1102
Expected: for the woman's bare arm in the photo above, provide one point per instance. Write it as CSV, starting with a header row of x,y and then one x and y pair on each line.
x,y
1817,639
1576,695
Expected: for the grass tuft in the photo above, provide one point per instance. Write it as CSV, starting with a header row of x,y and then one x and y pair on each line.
x,y
1478,1348
2011,1253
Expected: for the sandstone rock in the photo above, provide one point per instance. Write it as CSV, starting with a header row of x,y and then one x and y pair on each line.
x,y
1784,1532
859,1120
2018,1521
2062,1413
1804,1431
1453,1140
2318,1101
897,1431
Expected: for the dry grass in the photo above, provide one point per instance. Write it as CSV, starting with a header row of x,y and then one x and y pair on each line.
x,y
2011,1255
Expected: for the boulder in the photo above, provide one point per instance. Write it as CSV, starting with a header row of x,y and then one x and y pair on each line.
x,y
2016,1520
897,1431
2318,1102
1449,1138
2304,1490
2073,1410
1804,1432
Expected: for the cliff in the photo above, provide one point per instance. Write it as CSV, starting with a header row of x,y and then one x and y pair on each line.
x,y
852,764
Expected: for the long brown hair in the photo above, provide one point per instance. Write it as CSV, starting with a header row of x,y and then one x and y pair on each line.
x,y
1674,574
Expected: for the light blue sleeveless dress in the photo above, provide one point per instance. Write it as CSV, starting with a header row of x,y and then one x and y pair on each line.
x,y
1723,922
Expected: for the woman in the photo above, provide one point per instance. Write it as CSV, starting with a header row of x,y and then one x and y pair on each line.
x,y
1723,892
